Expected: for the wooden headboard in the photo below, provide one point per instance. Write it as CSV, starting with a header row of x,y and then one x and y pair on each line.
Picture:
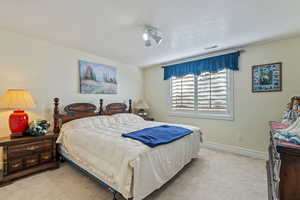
x,y
82,110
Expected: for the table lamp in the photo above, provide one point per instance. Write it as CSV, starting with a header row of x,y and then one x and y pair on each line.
x,y
141,107
18,100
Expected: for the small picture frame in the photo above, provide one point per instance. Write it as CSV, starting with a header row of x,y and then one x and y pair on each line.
x,y
267,77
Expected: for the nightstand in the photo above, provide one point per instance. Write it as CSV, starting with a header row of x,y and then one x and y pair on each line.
x,y
26,155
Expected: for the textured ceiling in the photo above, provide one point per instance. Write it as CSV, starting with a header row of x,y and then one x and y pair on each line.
x,y
113,28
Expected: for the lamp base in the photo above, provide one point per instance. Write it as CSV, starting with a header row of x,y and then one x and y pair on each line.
x,y
18,123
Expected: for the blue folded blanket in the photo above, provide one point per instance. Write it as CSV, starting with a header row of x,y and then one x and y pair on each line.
x,y
158,135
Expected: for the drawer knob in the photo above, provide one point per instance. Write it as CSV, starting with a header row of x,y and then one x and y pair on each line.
x,y
31,161
16,165
275,179
45,157
31,148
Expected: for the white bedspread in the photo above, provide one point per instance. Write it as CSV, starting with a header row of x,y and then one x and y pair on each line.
x,y
127,165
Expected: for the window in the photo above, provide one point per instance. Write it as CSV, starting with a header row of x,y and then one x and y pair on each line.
x,y
208,95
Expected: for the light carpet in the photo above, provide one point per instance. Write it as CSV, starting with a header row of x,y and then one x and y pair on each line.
x,y
215,175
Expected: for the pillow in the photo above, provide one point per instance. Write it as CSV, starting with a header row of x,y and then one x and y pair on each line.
x,y
106,120
127,118
96,121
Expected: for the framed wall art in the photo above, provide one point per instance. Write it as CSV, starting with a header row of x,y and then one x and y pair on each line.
x,y
97,78
267,77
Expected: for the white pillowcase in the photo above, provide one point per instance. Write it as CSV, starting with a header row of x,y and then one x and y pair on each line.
x,y
127,118
96,121
106,120
103,121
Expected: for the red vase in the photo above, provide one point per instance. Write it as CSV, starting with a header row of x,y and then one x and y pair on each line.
x,y
18,123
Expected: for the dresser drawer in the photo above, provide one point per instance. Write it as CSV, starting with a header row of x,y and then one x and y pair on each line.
x,y
45,157
15,165
21,150
31,161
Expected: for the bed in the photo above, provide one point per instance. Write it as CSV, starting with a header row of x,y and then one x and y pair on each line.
x,y
90,139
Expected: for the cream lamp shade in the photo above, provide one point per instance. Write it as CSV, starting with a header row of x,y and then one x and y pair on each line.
x,y
141,105
17,99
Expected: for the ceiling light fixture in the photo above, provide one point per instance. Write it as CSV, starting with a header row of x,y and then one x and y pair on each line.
x,y
151,34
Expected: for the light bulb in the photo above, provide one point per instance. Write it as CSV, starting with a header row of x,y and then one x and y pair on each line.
x,y
145,36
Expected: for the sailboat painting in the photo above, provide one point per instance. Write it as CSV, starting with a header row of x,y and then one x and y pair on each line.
x,y
97,78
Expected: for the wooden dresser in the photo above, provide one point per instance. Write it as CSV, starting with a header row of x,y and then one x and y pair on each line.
x,y
26,155
283,169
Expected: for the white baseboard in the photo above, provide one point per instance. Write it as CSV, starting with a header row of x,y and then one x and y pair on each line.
x,y
238,150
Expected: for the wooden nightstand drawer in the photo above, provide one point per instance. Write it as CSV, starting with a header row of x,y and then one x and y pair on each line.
x,y
31,160
21,150
45,157
15,165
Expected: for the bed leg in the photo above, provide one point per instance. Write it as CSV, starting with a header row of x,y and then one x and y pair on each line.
x,y
114,195
61,159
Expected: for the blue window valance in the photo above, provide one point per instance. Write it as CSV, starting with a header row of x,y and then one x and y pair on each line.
x,y
211,64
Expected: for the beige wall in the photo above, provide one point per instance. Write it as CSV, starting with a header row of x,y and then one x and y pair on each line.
x,y
252,110
50,71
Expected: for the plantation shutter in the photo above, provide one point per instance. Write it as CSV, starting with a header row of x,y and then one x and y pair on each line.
x,y
183,92
212,91
208,91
